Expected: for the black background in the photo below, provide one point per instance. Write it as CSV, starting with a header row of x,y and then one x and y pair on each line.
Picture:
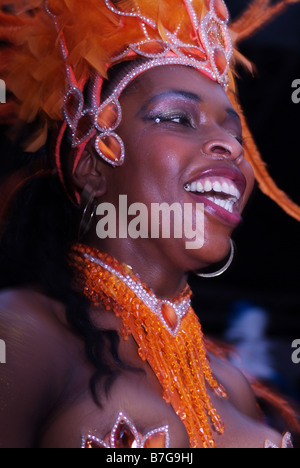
x,y
266,268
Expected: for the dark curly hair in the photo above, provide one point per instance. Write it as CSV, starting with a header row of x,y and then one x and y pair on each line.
x,y
38,227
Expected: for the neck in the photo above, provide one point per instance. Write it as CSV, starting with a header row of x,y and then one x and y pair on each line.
x,y
161,277
168,336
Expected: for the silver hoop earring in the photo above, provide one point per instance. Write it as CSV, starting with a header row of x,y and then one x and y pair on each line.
x,y
88,208
224,268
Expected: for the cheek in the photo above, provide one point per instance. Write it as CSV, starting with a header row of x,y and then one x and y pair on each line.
x,y
156,160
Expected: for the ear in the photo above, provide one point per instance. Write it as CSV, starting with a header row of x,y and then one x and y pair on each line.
x,y
89,173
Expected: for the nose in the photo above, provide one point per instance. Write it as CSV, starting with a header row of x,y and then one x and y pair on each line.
x,y
224,148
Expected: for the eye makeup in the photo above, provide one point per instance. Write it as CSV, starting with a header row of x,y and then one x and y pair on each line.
x,y
181,108
173,107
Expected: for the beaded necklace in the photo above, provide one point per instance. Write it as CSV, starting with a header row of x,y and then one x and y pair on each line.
x,y
168,335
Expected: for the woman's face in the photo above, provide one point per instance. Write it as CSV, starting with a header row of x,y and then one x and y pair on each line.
x,y
183,143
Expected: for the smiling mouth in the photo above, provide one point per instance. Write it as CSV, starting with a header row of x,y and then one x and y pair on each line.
x,y
221,189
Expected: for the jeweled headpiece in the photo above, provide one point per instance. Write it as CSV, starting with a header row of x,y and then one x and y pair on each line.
x,y
67,47
205,44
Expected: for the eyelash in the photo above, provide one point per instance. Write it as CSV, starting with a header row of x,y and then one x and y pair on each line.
x,y
182,119
186,121
240,140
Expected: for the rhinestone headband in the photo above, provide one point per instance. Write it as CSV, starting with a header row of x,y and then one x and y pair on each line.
x,y
209,51
58,53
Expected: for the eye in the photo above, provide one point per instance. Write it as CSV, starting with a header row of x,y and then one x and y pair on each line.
x,y
177,118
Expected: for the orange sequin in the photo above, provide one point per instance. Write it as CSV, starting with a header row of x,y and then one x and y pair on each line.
x,y
179,361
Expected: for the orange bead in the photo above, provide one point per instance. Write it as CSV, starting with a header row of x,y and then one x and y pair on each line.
x,y
220,61
108,117
169,315
151,47
109,146
156,440
124,437
193,53
179,362
84,126
221,10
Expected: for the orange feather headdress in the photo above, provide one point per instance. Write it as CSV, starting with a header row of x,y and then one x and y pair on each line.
x,y
59,52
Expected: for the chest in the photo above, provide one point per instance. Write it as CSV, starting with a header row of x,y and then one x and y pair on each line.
x,y
133,413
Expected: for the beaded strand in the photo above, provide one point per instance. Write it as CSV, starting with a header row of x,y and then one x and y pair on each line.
x,y
179,360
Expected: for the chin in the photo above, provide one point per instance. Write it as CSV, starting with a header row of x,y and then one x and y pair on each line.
x,y
215,250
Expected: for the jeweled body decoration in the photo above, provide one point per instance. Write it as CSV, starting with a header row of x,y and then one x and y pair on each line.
x,y
55,58
168,335
287,443
125,435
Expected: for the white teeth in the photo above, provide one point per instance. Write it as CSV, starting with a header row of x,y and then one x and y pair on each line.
x,y
219,186
222,185
194,187
225,188
200,187
208,186
233,190
225,204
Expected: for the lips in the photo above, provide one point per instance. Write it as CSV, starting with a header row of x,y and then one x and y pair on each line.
x,y
221,190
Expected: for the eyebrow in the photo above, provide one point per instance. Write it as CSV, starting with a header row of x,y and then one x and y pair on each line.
x,y
169,94
175,93
185,95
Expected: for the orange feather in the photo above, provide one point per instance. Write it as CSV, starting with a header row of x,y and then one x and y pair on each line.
x,y
33,66
265,181
257,15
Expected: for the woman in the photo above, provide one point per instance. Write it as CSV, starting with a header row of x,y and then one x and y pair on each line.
x,y
103,347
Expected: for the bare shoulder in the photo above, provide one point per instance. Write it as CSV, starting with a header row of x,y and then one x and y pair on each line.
x,y
34,373
18,300
34,326
31,316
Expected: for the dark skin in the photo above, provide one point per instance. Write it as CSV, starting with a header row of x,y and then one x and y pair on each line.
x,y
160,160
44,387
